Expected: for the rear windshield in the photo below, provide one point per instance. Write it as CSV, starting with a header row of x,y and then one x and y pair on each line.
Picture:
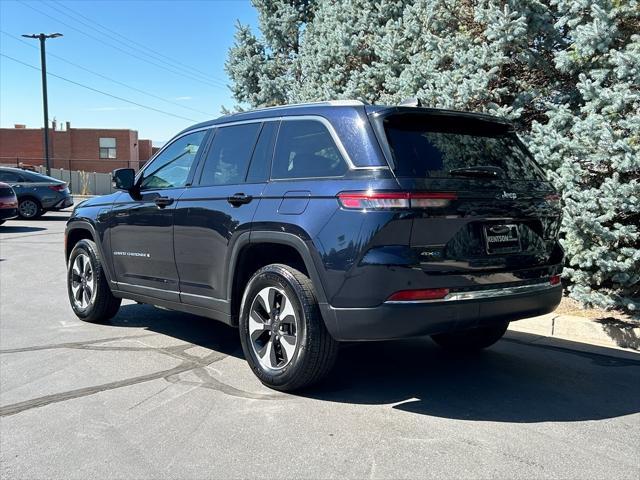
x,y
448,146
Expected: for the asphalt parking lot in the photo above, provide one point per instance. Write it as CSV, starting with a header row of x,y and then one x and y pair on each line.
x,y
158,394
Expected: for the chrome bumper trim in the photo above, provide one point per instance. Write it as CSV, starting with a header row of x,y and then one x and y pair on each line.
x,y
480,294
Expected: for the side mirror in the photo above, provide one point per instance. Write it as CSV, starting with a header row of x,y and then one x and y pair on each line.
x,y
123,178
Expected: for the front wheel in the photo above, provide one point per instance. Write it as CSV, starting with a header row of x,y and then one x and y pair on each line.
x,y
471,340
283,336
89,293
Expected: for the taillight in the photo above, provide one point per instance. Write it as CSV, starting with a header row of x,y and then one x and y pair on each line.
x,y
392,200
419,295
555,280
8,203
428,200
58,188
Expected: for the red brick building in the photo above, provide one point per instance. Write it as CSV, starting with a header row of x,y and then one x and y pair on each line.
x,y
87,149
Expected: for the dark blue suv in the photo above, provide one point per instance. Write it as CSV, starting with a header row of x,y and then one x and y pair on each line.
x,y
307,225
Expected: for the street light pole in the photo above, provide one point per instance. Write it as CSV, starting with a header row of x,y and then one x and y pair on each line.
x,y
45,101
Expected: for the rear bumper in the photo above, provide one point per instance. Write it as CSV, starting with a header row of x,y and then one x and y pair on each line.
x,y
406,319
64,203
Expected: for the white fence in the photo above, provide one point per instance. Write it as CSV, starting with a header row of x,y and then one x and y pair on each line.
x,y
83,183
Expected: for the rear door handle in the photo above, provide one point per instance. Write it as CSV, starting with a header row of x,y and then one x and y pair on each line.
x,y
238,199
162,202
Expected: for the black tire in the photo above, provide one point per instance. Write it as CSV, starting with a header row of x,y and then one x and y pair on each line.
x,y
471,340
102,304
315,350
29,208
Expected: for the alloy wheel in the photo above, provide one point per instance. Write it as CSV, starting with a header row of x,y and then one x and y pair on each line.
x,y
28,208
82,281
273,328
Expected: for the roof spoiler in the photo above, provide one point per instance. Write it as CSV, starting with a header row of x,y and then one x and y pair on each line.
x,y
410,102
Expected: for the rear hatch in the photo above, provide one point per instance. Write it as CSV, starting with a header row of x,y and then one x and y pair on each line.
x,y
502,213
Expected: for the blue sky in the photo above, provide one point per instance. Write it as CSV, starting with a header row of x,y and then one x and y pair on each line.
x,y
197,34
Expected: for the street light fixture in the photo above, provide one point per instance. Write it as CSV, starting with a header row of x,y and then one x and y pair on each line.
x,y
43,60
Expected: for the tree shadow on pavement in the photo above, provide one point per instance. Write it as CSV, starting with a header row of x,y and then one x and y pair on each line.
x,y
514,381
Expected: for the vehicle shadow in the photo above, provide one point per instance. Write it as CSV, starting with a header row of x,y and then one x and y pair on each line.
x,y
53,218
199,331
514,381
19,229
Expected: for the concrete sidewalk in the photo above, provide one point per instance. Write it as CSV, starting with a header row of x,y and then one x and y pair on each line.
x,y
606,332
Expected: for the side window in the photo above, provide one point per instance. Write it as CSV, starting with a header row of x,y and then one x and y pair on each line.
x,y
171,168
30,178
229,155
263,153
305,149
10,177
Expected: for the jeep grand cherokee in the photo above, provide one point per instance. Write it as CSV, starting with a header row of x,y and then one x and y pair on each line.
x,y
308,225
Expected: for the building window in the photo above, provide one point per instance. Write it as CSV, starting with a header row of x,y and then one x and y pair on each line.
x,y
107,148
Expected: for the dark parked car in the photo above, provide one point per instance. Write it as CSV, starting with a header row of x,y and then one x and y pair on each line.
x,y
8,203
36,193
308,225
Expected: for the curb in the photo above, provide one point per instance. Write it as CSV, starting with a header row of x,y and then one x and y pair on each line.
x,y
608,332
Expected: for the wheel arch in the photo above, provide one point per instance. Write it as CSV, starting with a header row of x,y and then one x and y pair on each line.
x,y
83,230
29,196
256,249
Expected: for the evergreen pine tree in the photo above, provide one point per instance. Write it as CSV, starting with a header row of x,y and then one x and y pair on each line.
x,y
567,72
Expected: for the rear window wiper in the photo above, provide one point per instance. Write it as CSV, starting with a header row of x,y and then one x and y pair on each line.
x,y
484,171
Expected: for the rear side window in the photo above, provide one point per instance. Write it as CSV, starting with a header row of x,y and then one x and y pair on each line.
x,y
447,147
262,154
9,177
229,155
305,149
36,177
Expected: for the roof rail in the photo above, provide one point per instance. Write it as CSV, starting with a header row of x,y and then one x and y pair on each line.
x,y
333,103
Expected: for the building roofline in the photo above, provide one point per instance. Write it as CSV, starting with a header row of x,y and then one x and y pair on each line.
x,y
71,128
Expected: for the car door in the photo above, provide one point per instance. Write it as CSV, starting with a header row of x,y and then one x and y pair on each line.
x,y
15,180
218,208
141,224
308,171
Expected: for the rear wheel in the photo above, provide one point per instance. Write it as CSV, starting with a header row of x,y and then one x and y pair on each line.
x,y
472,339
283,336
89,293
29,208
